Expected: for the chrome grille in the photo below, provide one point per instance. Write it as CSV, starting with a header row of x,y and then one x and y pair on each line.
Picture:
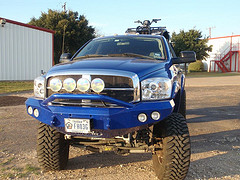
x,y
117,87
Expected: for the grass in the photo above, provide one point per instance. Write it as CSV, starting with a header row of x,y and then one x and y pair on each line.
x,y
19,172
18,169
7,162
32,169
15,86
9,176
28,170
211,74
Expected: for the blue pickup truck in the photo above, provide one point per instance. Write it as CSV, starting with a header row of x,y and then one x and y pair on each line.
x,y
122,93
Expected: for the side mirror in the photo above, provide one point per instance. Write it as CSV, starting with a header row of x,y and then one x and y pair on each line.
x,y
185,57
65,57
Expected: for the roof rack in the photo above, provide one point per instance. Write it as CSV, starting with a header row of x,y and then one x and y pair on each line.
x,y
146,29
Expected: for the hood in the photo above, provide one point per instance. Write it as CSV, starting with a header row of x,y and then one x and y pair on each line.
x,y
141,67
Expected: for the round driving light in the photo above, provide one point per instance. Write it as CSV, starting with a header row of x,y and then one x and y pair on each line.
x,y
83,84
55,84
97,85
30,110
142,117
36,113
69,84
155,115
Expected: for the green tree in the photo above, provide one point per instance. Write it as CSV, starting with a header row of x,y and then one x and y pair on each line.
x,y
77,30
191,41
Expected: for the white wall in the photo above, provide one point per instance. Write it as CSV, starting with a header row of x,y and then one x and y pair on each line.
x,y
220,47
24,52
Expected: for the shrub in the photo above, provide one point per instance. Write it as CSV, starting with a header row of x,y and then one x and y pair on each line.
x,y
197,66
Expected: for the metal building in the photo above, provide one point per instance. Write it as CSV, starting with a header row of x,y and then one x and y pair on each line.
x,y
25,50
225,55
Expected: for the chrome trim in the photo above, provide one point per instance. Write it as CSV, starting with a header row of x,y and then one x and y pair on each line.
x,y
111,72
89,78
108,89
85,104
119,89
107,72
44,85
59,90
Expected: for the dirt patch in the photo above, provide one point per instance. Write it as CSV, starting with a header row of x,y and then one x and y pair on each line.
x,y
11,100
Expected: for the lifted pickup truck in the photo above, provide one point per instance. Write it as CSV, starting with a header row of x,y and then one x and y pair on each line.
x,y
122,93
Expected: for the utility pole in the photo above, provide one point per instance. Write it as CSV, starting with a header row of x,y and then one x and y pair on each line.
x,y
64,7
64,27
210,31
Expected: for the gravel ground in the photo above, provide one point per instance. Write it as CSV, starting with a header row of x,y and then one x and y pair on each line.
x,y
213,120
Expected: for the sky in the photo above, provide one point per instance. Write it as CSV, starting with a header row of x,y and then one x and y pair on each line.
x,y
115,16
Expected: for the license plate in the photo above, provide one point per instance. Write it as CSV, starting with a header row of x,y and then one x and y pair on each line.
x,y
77,125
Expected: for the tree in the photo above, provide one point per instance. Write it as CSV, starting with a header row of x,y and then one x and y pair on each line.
x,y
191,41
77,30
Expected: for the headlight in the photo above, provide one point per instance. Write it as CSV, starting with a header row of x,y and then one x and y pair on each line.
x,y
83,85
156,88
55,84
39,84
69,84
97,85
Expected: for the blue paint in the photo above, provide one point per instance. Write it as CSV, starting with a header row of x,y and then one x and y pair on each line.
x,y
103,118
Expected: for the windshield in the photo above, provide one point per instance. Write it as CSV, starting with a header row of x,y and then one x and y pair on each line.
x,y
131,46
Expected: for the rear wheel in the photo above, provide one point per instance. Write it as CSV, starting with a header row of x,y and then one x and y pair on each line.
x,y
171,156
52,148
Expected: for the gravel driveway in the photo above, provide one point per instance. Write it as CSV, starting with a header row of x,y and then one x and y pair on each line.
x,y
213,113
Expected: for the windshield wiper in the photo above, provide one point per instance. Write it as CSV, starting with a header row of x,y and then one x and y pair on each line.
x,y
90,56
131,55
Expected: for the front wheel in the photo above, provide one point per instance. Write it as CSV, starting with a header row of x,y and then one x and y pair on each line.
x,y
171,155
52,148
182,107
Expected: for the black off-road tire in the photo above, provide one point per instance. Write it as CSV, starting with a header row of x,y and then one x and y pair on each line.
x,y
182,107
171,156
52,148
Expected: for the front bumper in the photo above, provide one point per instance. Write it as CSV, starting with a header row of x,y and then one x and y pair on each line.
x,y
106,122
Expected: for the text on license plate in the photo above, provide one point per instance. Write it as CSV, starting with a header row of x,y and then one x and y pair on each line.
x,y
77,125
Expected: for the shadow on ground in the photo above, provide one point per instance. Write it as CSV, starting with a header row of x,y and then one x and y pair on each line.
x,y
211,114
216,153
106,159
11,100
